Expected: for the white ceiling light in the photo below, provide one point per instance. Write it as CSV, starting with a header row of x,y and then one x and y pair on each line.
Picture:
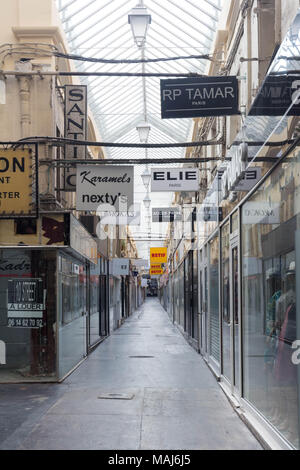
x,y
143,129
139,20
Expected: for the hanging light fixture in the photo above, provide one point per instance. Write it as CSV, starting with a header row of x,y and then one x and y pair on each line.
x,y
146,177
139,20
143,129
147,200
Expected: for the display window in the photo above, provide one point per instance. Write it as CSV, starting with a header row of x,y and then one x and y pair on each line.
x,y
27,315
271,246
72,311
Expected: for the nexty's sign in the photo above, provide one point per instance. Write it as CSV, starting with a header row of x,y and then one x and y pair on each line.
x,y
174,179
196,97
104,185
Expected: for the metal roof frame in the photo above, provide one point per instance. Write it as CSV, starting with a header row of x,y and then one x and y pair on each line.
x,y
100,29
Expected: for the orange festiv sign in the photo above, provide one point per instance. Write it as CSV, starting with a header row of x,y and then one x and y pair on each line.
x,y
158,255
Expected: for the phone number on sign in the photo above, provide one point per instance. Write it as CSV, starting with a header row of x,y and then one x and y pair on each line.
x,y
25,322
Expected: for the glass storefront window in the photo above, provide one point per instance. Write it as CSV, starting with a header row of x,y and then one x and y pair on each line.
x,y
94,316
73,310
195,294
234,222
181,294
271,244
28,315
226,302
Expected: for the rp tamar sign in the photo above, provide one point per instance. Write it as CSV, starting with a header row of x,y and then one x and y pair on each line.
x,y
196,97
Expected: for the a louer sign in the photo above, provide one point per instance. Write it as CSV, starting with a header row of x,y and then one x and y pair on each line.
x,y
104,187
196,97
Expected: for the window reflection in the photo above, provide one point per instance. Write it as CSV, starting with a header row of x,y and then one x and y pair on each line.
x,y
269,298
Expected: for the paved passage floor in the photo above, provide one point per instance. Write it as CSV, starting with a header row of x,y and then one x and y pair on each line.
x,y
144,387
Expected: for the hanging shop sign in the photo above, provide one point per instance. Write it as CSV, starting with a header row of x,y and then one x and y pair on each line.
x,y
260,213
75,129
25,303
130,216
276,96
119,267
104,188
156,265
196,97
174,179
158,255
17,195
139,263
166,214
248,179
209,214
235,172
156,271
81,241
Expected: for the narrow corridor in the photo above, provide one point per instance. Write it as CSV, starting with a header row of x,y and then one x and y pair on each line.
x,y
163,397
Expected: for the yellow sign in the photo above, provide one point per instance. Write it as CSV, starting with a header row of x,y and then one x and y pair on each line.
x,y
15,183
156,271
155,265
158,255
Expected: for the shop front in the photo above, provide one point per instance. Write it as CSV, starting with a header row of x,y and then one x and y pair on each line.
x,y
47,301
248,263
270,300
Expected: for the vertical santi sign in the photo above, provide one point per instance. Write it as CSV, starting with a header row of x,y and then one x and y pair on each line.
x,y
75,129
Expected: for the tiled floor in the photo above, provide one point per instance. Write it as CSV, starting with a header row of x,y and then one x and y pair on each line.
x,y
173,401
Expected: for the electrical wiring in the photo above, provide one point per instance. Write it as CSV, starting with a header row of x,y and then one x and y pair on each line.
x,y
50,50
129,61
64,141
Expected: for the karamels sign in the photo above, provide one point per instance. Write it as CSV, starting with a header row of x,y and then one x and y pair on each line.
x,y
16,177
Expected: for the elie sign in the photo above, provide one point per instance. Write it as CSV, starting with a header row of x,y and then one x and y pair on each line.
x,y
174,179
196,97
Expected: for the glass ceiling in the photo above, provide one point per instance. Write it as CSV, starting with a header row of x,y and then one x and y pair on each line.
x,y
100,29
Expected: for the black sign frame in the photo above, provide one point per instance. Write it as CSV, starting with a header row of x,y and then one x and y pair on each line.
x,y
276,96
199,97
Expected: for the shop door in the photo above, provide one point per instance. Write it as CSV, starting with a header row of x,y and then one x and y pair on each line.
x,y
234,324
203,309
188,294
103,305
123,297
